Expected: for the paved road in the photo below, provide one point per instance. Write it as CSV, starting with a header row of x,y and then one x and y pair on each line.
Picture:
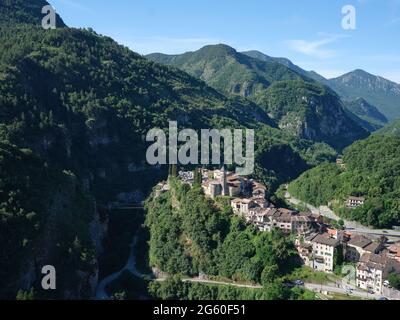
x,y
334,289
351,226
238,285
101,293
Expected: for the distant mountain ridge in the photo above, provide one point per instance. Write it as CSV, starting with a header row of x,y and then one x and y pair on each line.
x,y
229,71
375,90
310,74
378,91
299,104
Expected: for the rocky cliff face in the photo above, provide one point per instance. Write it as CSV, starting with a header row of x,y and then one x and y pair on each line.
x,y
311,111
377,91
53,248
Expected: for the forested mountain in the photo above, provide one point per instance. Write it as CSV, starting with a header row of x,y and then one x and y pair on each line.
x,y
311,111
299,106
377,91
23,11
44,219
371,170
353,87
370,117
391,129
309,74
229,71
81,105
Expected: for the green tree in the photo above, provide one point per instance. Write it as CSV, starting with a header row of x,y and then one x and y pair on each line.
x,y
269,274
394,280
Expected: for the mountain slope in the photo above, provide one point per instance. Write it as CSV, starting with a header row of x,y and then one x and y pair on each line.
x,y
374,90
286,62
225,69
311,111
229,71
372,171
392,129
22,11
369,115
377,91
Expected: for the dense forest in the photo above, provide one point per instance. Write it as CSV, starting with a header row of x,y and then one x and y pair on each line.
x,y
44,218
371,170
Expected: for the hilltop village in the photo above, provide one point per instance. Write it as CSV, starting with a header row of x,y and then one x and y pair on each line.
x,y
319,245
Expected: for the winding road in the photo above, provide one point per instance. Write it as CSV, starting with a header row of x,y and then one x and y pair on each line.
x,y
101,292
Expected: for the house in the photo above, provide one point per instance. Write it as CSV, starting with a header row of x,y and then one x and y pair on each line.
x,y
260,202
373,269
340,162
323,251
212,188
393,251
305,252
186,176
218,186
270,218
161,188
354,202
258,190
301,224
358,245
241,206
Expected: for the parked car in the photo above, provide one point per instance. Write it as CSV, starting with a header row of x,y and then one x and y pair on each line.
x,y
299,283
386,283
382,298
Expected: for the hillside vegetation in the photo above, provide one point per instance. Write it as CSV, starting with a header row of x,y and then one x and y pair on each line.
x,y
80,103
297,104
191,235
44,219
372,170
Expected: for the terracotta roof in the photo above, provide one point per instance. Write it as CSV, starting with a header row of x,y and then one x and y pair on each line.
x,y
359,241
395,249
301,218
325,239
372,260
372,247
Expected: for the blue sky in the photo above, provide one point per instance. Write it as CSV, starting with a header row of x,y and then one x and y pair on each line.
x,y
308,32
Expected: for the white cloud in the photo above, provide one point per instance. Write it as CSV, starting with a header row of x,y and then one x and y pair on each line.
x,y
316,48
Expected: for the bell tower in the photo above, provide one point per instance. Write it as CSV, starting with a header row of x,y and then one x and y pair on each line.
x,y
224,183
